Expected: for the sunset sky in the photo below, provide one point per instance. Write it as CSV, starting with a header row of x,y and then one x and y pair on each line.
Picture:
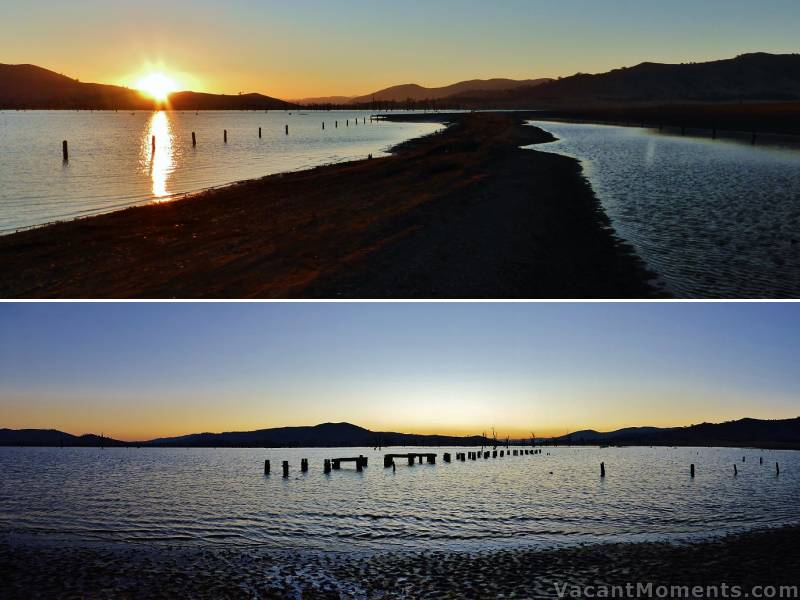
x,y
138,371
318,47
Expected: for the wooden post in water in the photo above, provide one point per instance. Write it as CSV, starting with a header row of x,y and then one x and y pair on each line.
x,y
225,135
194,140
446,457
336,124
735,470
602,469
410,460
348,122
777,469
359,465
259,133
153,144
65,151
691,470
761,460
287,130
304,465
266,467
323,126
327,467
286,468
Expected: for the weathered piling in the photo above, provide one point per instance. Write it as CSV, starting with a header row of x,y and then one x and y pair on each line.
x,y
446,457
336,464
327,466
323,126
486,454
602,469
304,465
691,470
266,467
501,453
359,465
410,460
735,470
431,459
194,140
761,460
225,135
777,469
461,456
259,133
494,453
153,144
348,122
65,151
336,124
286,468
744,459
287,130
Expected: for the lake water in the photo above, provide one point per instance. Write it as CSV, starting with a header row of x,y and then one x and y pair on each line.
x,y
712,218
221,497
112,164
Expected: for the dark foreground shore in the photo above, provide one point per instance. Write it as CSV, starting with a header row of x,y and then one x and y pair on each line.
x,y
52,570
465,213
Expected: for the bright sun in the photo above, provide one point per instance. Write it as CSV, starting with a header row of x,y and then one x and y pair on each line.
x,y
157,85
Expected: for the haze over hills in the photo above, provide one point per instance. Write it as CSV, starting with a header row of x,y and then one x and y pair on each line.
x,y
412,91
784,433
32,87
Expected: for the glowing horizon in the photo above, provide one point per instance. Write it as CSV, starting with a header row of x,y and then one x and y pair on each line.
x,y
140,371
356,47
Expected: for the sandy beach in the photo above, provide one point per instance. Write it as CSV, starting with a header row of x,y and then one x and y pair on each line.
x,y
55,570
464,213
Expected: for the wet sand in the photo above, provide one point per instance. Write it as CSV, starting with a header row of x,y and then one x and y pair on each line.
x,y
36,569
461,214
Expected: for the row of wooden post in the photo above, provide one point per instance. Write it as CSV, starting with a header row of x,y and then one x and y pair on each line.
x,y
328,464
65,144
361,462
735,468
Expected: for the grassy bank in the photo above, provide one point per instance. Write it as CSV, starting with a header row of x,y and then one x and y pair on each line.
x,y
464,213
56,570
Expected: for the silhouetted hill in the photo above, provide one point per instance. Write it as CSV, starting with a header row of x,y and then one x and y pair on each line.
x,y
783,433
748,77
32,87
52,437
412,91
326,434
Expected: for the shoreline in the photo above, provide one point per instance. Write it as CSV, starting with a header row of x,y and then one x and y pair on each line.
x,y
464,213
54,569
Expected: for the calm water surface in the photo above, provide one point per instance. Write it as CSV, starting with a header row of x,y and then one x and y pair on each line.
x,y
221,497
712,218
112,164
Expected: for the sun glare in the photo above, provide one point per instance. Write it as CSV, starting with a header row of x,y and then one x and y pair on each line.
x,y
157,85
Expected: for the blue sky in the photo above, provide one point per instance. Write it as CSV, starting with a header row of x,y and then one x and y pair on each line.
x,y
318,47
141,370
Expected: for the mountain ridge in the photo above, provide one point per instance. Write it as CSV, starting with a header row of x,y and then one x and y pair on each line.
x,y
31,87
775,433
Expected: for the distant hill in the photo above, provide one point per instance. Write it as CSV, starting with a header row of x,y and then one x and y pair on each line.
x,y
52,437
412,91
745,432
418,93
749,77
326,434
32,87
784,433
